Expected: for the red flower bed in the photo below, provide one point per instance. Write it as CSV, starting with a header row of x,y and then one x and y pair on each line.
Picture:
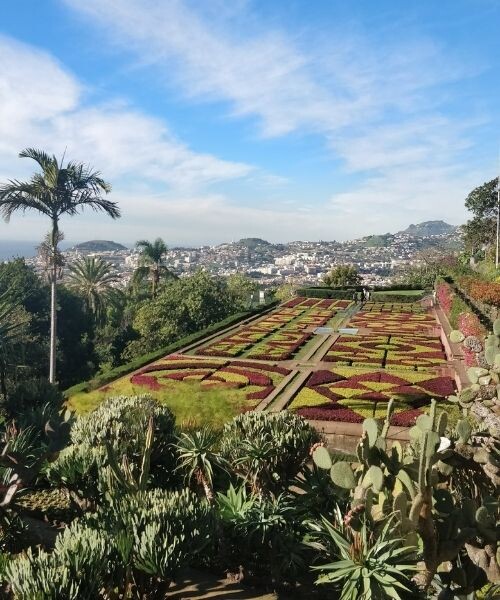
x,y
252,365
482,291
253,377
293,302
326,303
406,418
185,365
330,412
146,381
322,377
310,302
444,293
260,395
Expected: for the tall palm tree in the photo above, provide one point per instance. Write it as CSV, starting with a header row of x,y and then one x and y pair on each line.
x,y
59,189
92,278
151,263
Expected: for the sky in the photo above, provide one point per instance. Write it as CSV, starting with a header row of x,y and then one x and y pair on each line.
x,y
220,119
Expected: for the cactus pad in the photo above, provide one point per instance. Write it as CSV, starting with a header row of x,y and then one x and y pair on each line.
x,y
321,458
342,475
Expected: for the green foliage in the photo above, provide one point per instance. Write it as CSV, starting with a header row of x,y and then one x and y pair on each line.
x,y
242,290
342,275
267,449
272,529
366,564
198,458
93,279
182,307
75,570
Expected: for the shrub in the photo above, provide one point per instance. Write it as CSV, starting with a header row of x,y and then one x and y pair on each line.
x,y
267,450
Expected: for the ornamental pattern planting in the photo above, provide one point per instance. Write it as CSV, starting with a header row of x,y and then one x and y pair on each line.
x,y
352,394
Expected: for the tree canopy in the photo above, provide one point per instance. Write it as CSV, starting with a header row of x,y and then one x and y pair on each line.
x,y
342,275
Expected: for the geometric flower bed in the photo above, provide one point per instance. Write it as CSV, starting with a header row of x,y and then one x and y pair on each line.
x,y
258,380
352,394
279,335
396,307
389,351
395,322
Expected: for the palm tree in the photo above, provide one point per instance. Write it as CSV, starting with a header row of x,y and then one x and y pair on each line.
x,y
59,189
151,263
92,279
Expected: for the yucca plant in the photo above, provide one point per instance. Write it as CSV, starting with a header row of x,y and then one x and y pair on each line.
x,y
369,565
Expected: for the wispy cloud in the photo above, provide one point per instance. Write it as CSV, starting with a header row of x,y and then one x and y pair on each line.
x,y
378,104
42,104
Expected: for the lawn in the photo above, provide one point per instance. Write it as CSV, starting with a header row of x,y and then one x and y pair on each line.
x,y
198,391
397,293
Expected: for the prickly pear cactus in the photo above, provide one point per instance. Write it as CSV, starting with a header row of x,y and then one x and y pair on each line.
x,y
415,485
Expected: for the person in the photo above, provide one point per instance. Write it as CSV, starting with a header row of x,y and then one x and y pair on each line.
x,y
368,295
434,297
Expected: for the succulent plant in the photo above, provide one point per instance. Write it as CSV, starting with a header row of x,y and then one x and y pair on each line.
x,y
409,484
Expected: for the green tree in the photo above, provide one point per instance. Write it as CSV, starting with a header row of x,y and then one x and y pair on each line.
x,y
481,229
10,328
342,275
94,281
183,306
241,289
59,189
152,263
285,292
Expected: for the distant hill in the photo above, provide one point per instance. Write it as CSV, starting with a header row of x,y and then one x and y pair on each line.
x,y
253,242
99,246
429,228
378,241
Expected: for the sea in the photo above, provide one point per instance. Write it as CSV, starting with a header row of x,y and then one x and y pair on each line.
x,y
14,249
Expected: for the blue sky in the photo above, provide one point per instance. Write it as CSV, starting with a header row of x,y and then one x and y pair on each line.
x,y
221,119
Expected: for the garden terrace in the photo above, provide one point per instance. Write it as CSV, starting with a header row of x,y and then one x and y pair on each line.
x,y
198,390
283,361
388,351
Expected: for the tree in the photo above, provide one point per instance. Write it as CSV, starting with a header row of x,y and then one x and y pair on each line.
x,y
481,229
241,289
60,189
285,292
342,275
93,280
152,263
183,306
9,328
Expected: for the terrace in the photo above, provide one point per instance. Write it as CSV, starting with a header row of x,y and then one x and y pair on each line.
x,y
295,358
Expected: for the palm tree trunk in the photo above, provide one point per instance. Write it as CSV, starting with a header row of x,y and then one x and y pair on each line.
x,y
53,305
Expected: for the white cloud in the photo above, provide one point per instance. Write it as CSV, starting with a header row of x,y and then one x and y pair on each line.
x,y
41,105
379,105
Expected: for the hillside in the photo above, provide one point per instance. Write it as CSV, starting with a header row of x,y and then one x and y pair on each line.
x,y
99,246
428,228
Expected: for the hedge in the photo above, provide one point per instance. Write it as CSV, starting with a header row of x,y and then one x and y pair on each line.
x,y
104,378
396,298
326,292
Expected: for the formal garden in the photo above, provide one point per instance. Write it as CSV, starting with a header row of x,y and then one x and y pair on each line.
x,y
310,447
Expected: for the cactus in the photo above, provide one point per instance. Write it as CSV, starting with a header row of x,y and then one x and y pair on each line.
x,y
496,327
456,336
408,484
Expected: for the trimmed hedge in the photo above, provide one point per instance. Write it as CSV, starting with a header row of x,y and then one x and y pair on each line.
x,y
398,298
326,292
104,378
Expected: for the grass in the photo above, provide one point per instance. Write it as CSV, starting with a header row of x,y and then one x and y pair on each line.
x,y
192,405
397,293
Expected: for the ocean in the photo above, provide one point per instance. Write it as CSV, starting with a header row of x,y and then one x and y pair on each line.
x,y
13,249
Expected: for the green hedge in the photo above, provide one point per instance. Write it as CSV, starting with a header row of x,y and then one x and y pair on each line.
x,y
381,297
325,292
102,379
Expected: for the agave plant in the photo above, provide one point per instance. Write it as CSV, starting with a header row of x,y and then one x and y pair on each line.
x,y
199,460
369,566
